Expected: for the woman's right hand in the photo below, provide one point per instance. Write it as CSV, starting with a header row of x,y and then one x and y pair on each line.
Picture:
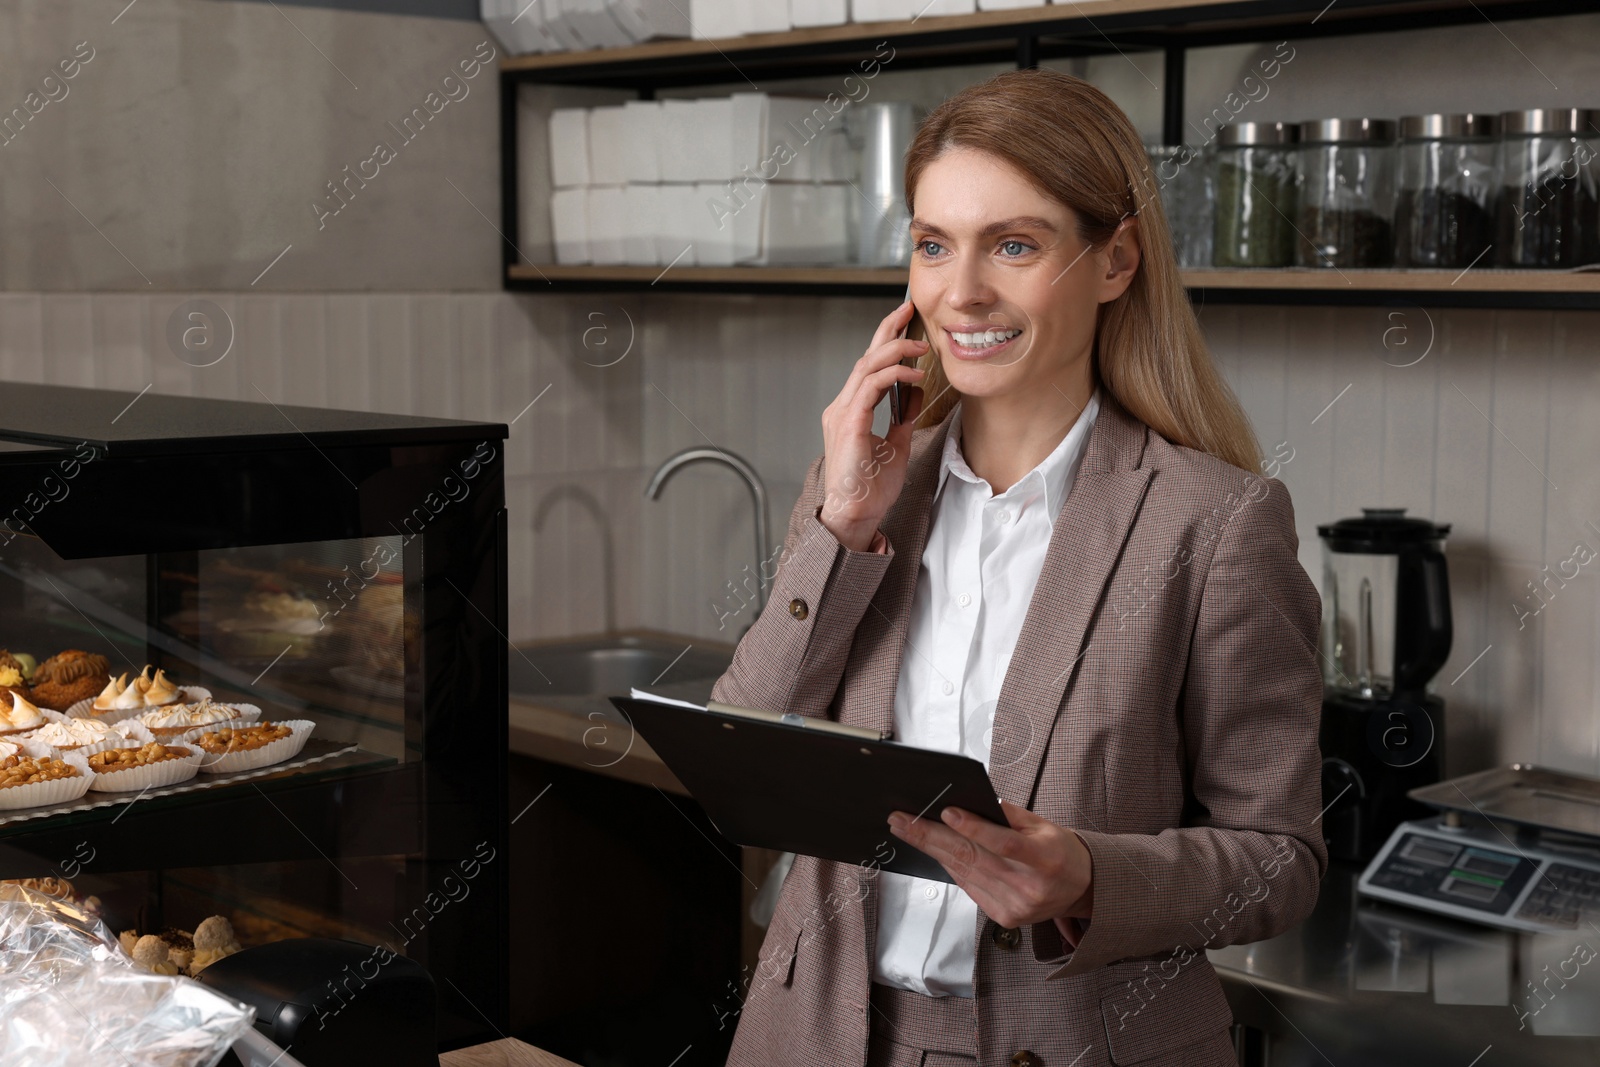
x,y
863,473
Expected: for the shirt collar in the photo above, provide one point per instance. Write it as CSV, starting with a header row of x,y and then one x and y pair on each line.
x,y
1052,471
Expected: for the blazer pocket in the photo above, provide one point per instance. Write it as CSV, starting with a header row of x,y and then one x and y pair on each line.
x,y
1152,1015
777,965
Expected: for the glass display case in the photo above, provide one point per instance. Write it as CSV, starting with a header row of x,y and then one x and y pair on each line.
x,y
342,568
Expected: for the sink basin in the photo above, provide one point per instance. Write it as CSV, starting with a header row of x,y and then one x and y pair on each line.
x,y
612,664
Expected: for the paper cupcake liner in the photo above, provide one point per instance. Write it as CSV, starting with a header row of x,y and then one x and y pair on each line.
x,y
249,759
167,772
58,791
84,709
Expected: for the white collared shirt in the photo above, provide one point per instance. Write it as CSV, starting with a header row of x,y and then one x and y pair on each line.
x,y
978,571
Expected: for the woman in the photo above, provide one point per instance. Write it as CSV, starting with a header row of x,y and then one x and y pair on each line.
x,y
1069,568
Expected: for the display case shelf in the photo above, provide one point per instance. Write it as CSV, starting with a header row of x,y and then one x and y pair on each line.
x,y
1473,288
318,759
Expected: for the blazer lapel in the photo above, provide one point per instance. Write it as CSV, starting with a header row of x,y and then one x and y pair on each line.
x,y
1088,538
1084,547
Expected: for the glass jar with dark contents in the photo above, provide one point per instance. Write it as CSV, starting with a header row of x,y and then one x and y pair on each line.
x,y
1255,182
1345,185
1448,183
1547,215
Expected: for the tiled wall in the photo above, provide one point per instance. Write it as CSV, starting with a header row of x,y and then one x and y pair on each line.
x,y
1490,431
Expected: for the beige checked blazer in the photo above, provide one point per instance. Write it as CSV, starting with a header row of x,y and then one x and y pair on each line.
x,y
1163,700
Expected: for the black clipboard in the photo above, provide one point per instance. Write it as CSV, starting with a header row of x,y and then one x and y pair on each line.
x,y
807,785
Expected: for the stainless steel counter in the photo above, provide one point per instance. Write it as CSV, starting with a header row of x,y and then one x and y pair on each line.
x,y
1363,982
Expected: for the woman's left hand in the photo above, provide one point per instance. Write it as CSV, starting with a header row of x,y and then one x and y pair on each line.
x,y
1028,873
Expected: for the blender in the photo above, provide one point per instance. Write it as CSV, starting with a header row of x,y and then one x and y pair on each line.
x,y
1385,633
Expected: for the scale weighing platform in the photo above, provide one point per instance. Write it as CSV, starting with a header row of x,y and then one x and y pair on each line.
x,y
1541,875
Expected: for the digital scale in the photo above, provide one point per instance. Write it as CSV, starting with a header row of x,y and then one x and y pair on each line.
x,y
1516,847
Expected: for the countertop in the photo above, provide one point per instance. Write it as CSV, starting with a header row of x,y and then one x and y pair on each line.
x,y
589,733
507,1052
1367,982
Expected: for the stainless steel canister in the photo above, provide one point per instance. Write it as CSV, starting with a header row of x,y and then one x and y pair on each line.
x,y
880,134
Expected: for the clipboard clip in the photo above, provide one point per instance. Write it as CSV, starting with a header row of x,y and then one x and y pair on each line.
x,y
789,718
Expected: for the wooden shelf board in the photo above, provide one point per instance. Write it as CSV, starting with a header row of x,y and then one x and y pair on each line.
x,y
1169,15
844,34
712,275
1286,279
1476,280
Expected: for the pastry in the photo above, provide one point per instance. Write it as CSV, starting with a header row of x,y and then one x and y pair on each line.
x,y
20,717
152,952
68,677
161,692
180,947
11,680
71,665
31,770
59,888
130,699
143,692
113,689
27,664
178,718
242,738
74,733
213,939
175,951
122,759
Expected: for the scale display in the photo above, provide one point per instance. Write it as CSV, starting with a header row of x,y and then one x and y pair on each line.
x,y
1475,874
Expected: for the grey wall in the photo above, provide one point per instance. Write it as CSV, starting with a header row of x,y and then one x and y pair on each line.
x,y
188,152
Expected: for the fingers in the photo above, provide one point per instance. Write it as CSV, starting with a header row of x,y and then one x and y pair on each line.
x,y
899,434
955,853
884,353
871,389
1018,816
1002,841
892,324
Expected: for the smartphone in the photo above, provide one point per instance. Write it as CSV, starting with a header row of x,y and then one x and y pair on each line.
x,y
900,392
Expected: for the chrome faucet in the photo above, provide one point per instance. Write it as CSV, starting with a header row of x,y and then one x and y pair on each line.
x,y
758,497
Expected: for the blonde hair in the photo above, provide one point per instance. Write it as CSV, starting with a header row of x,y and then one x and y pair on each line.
x,y
1081,150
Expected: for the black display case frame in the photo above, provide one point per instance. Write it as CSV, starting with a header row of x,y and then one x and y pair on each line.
x,y
235,473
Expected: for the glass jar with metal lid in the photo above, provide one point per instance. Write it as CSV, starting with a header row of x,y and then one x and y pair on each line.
x,y
1448,184
1345,185
1255,182
1548,203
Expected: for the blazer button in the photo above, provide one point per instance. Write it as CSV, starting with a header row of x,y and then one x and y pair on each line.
x,y
1024,1059
798,609
1006,936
